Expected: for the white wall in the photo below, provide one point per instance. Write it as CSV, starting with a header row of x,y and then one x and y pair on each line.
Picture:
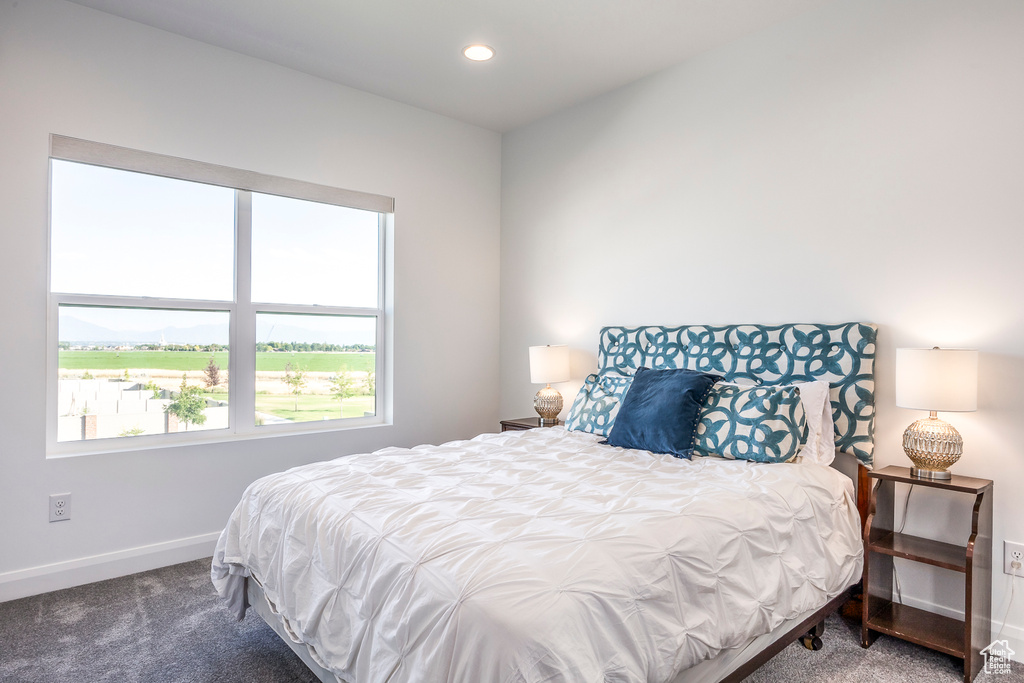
x,y
863,162
70,70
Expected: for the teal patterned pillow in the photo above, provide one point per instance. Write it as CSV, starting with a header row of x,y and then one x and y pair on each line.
x,y
763,424
597,404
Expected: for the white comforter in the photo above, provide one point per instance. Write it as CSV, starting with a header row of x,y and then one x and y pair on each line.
x,y
537,556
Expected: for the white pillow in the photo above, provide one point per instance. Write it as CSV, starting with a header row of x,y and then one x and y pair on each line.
x,y
821,431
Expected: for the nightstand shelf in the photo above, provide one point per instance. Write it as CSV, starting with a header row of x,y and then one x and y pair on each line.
x,y
963,638
925,550
931,630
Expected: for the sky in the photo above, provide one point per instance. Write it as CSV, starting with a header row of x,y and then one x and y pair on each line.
x,y
206,327
130,234
120,233
309,253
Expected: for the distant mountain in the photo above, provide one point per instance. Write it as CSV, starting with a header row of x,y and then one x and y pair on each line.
x,y
74,330
292,333
77,331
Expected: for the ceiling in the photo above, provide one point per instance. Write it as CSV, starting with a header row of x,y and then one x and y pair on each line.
x,y
550,54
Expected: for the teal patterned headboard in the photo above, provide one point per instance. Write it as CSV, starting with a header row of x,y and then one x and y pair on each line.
x,y
843,354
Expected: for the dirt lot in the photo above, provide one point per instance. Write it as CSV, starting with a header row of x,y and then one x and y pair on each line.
x,y
269,382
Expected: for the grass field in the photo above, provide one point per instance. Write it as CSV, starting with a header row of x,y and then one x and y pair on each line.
x,y
312,408
197,360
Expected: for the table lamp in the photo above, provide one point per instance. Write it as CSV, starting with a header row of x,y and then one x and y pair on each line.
x,y
548,364
935,380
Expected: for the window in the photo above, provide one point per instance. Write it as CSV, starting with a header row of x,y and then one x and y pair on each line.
x,y
191,301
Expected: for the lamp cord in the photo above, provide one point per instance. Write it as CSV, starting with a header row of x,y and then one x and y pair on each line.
x,y
906,513
906,509
1013,582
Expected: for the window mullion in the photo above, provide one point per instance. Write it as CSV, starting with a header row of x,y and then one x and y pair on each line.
x,y
242,361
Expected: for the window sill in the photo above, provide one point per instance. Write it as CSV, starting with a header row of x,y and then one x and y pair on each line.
x,y
74,449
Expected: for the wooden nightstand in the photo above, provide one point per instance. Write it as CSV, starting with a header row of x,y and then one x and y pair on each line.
x,y
960,638
523,423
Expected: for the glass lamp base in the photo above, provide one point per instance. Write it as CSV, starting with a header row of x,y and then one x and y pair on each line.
x,y
933,446
548,403
930,474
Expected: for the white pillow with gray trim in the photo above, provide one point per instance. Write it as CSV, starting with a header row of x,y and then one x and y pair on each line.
x,y
820,447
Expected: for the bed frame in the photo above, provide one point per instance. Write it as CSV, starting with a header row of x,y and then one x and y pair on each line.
x,y
843,354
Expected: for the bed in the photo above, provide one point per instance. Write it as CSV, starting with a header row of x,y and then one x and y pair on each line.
x,y
546,555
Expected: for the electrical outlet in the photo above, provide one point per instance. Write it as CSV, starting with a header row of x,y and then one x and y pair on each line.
x,y
1013,552
60,507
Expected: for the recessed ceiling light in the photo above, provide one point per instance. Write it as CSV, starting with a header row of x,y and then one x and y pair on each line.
x,y
478,53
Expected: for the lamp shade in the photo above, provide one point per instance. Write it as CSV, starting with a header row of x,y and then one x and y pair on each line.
x,y
943,380
549,364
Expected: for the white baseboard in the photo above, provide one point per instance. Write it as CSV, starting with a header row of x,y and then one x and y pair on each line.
x,y
51,577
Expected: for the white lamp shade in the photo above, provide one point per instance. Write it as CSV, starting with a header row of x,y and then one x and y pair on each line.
x,y
943,380
549,364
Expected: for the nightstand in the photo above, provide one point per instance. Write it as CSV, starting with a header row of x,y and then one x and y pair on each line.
x,y
881,614
523,424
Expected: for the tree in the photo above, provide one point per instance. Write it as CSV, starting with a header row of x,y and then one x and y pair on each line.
x,y
189,406
342,387
371,383
295,378
211,375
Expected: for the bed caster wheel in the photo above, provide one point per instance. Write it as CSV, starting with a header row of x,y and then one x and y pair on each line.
x,y
812,642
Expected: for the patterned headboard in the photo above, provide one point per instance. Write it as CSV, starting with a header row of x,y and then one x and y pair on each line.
x,y
843,354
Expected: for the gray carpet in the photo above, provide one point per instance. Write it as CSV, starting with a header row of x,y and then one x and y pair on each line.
x,y
888,660
155,627
168,625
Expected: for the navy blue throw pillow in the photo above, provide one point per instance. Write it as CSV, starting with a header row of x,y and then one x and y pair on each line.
x,y
660,411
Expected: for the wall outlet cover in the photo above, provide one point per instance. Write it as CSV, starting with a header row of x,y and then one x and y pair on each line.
x,y
60,507
1013,552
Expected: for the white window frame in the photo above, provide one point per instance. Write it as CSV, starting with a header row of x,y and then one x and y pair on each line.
x,y
242,310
